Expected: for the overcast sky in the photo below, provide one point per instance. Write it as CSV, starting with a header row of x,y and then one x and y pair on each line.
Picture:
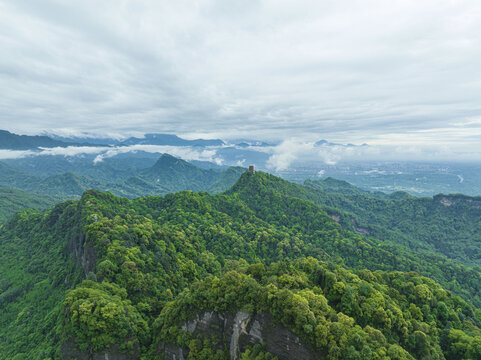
x,y
382,72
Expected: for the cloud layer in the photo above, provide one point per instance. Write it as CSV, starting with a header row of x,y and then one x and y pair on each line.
x,y
185,152
403,72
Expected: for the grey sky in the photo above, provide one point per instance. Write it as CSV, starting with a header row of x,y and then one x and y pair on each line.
x,y
383,72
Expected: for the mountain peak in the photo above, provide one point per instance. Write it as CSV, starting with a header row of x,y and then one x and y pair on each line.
x,y
170,139
258,180
167,161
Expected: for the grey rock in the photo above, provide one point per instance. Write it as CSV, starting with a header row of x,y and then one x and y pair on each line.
x,y
236,331
83,251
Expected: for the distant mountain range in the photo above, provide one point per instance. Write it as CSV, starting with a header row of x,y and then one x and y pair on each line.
x,y
115,160
148,139
23,142
172,140
9,140
168,174
12,200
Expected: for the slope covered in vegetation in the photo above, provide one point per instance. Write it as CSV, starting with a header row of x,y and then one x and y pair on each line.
x,y
341,314
150,264
176,174
445,224
12,200
168,174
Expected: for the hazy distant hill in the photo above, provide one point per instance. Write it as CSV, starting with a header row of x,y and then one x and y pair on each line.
x,y
11,177
12,200
22,142
121,176
335,186
148,139
332,185
177,174
113,169
172,140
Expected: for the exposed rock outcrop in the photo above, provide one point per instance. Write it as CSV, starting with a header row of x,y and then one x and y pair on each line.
x,y
453,200
359,229
236,331
336,218
83,251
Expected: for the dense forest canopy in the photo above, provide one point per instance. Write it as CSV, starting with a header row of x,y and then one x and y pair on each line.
x,y
54,177
12,200
110,274
444,224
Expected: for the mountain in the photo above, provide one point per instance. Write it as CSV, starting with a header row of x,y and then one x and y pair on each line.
x,y
14,141
423,224
11,177
98,141
272,200
445,224
335,186
12,200
328,143
176,174
147,139
65,184
23,142
123,176
172,140
331,185
251,274
114,169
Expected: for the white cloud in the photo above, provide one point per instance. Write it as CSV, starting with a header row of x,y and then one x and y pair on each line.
x,y
288,152
72,150
15,154
266,69
185,152
293,153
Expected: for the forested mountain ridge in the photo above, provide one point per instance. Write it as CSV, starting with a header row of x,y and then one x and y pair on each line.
x,y
176,174
331,185
168,174
10,140
22,142
248,249
12,200
445,224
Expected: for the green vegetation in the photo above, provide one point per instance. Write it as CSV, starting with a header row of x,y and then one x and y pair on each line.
x,y
169,174
35,273
106,272
445,224
342,314
176,175
12,200
331,185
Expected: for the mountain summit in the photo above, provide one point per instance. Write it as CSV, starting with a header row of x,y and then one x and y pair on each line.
x,y
177,174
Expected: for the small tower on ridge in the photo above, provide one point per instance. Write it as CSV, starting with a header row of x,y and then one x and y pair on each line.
x,y
251,169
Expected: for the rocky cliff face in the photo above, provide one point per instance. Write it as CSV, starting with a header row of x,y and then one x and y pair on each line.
x,y
84,252
236,331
